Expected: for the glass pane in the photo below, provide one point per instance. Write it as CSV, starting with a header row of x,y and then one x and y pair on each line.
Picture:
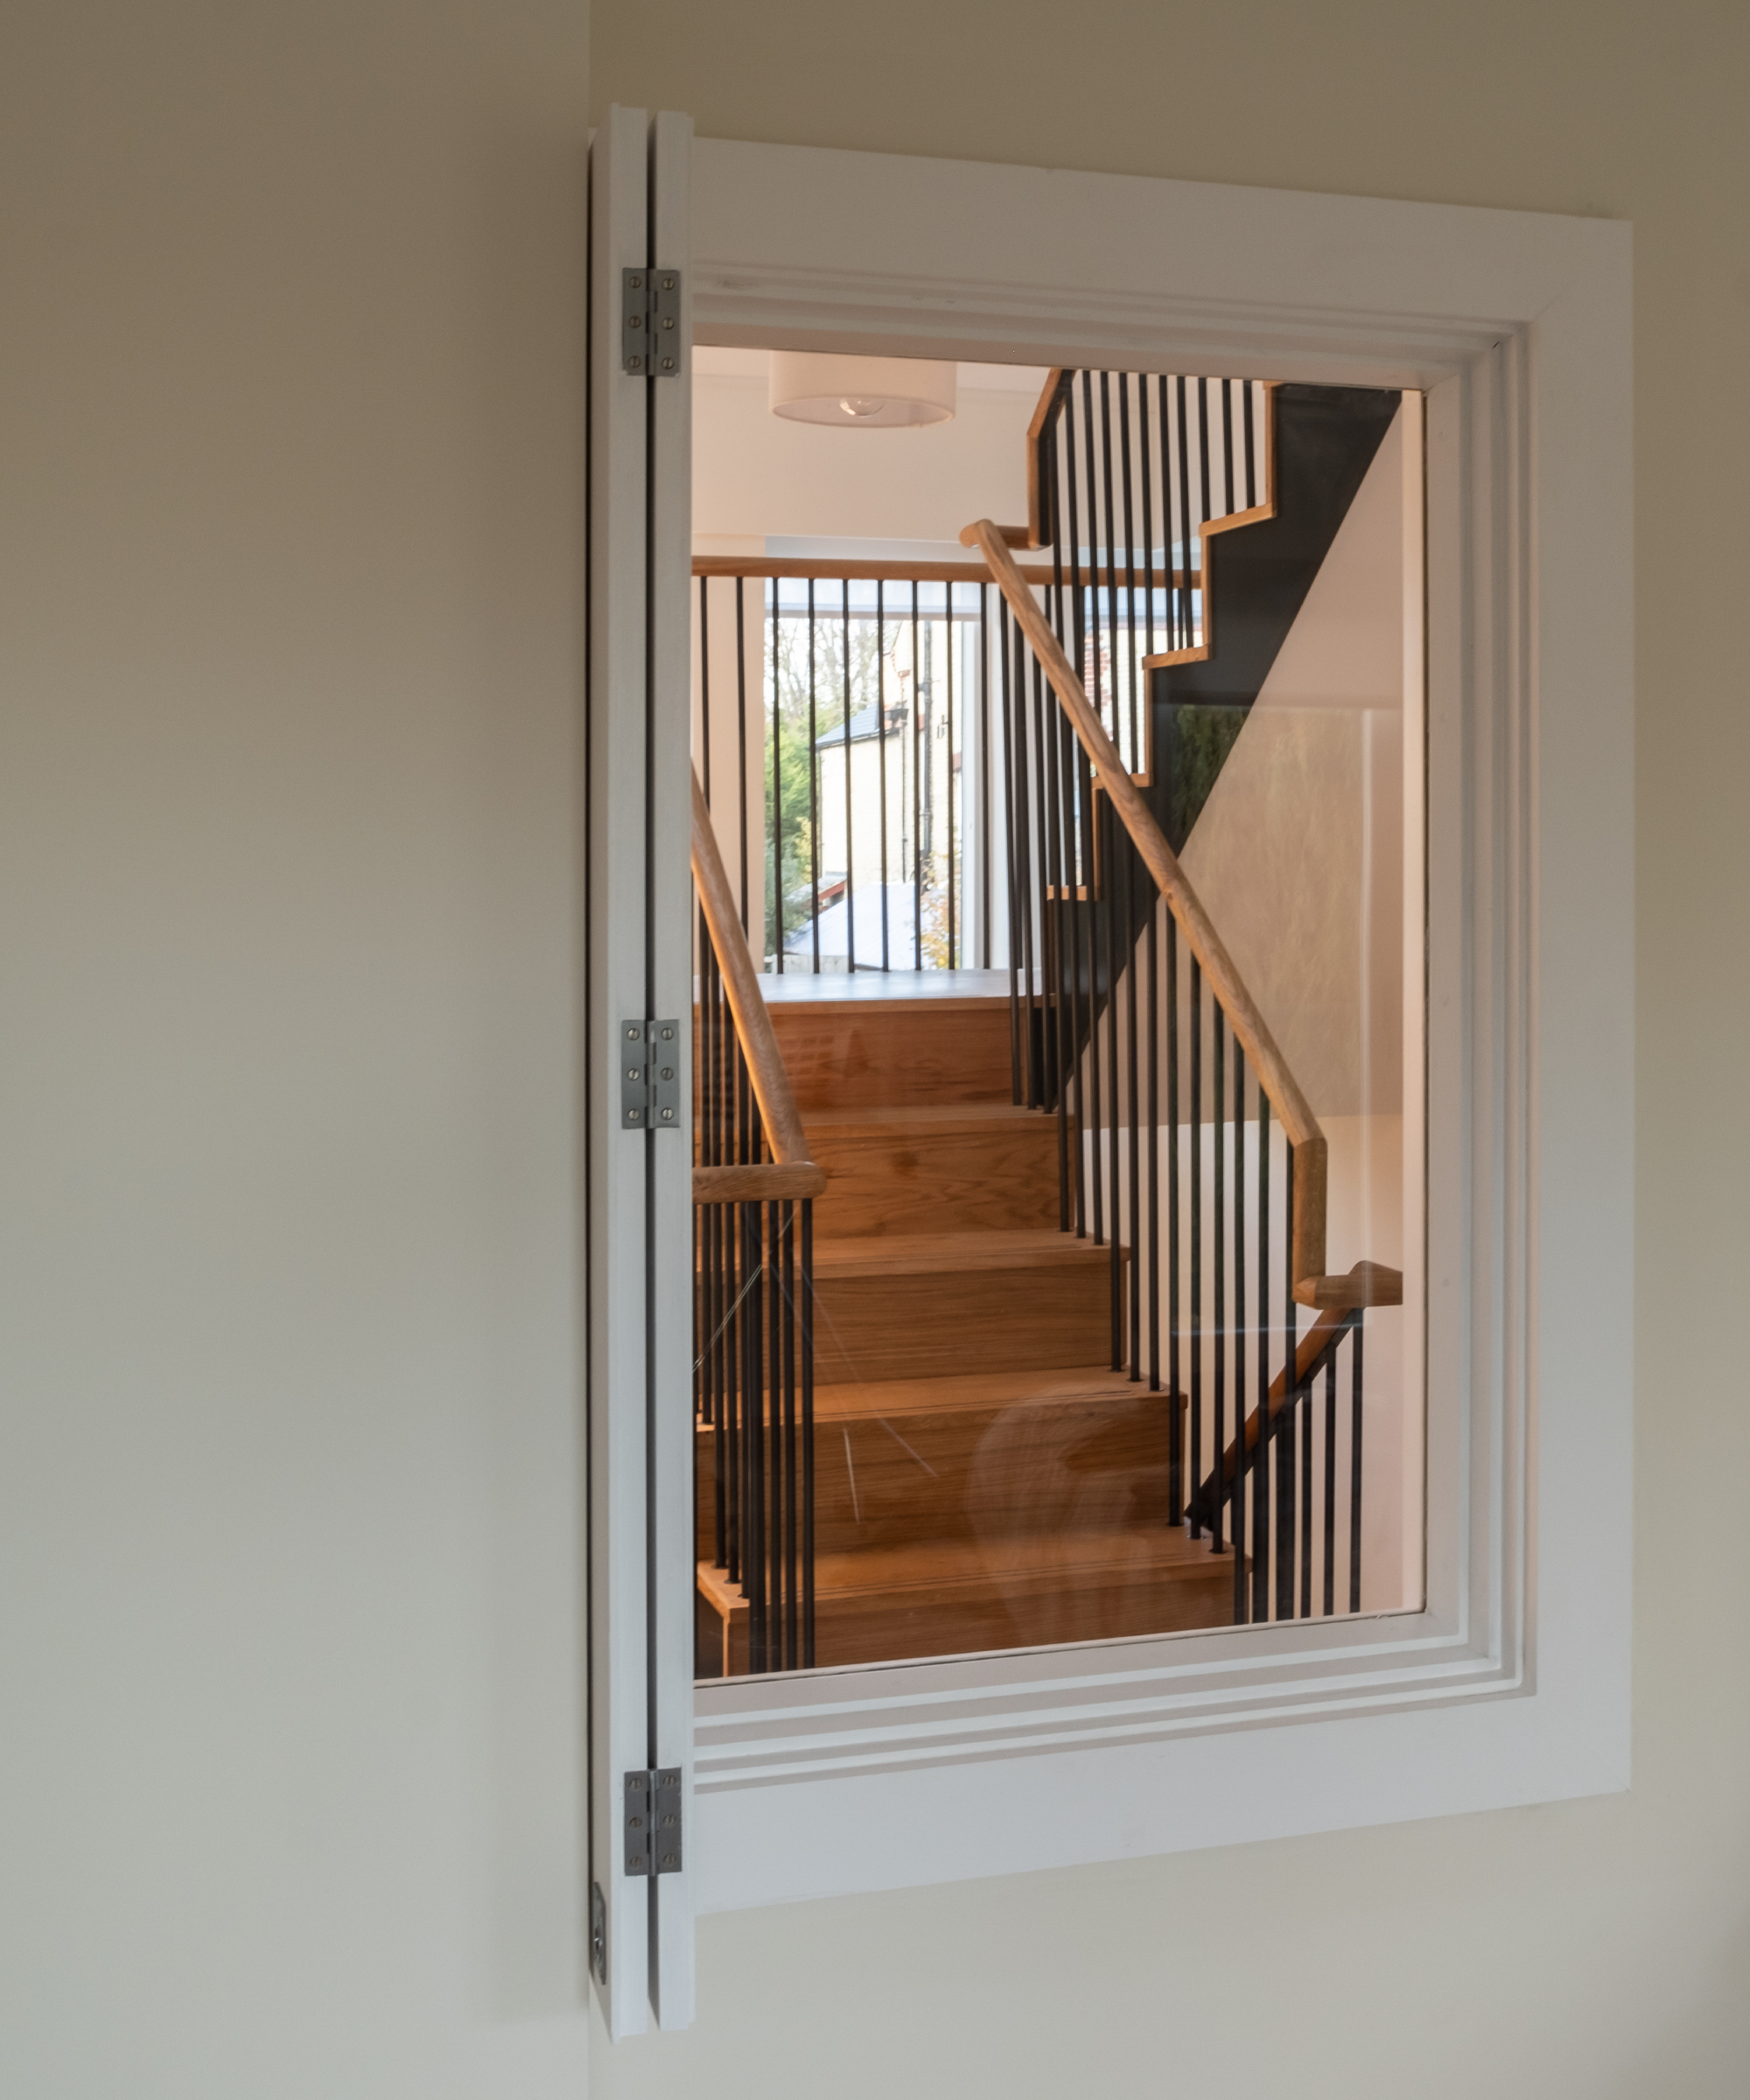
x,y
1091,956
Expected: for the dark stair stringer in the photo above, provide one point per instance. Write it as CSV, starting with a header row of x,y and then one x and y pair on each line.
x,y
1256,582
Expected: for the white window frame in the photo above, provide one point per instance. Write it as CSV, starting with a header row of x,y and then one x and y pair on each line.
x,y
1512,1685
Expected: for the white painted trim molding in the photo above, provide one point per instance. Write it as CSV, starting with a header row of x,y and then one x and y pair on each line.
x,y
1512,1685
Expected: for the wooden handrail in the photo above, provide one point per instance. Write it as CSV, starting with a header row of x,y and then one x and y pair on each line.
x,y
1249,1027
1367,1284
791,1173
853,571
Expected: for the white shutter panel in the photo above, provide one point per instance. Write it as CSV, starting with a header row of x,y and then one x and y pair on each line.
x,y
639,1203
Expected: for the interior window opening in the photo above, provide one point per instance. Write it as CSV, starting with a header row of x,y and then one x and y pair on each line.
x,y
1058,1004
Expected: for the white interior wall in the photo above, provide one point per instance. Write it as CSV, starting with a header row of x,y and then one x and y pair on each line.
x,y
291,552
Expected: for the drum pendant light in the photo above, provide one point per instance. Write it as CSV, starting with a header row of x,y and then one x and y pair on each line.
x,y
865,393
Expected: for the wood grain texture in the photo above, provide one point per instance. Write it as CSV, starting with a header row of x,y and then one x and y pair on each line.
x,y
1090,1458
882,1605
1367,1284
904,1307
983,1166
894,1053
767,1184
863,572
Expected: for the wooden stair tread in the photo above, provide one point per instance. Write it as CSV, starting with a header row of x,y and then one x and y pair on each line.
x,y
953,1571
951,1568
954,1253
928,1116
973,1392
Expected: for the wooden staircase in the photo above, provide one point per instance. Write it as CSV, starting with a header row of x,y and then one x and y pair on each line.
x,y
983,1479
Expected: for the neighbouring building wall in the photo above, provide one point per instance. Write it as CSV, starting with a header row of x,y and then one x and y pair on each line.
x,y
292,553
1594,1950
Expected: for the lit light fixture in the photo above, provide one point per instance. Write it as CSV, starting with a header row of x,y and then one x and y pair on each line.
x,y
865,393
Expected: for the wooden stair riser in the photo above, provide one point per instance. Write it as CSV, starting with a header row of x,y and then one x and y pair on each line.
x,y
871,1327
894,1054
957,1176
977,1474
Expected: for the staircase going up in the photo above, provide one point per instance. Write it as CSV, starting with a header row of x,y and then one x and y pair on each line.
x,y
981,1478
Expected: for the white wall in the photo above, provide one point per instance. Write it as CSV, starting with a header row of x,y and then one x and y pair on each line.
x,y
289,685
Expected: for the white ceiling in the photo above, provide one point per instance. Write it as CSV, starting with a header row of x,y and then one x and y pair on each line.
x,y
757,477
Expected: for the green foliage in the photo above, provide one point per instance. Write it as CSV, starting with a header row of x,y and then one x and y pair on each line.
x,y
1196,743
789,674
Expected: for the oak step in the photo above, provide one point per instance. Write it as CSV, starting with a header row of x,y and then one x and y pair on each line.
x,y
890,1603
862,1054
919,1305
984,1456
977,1166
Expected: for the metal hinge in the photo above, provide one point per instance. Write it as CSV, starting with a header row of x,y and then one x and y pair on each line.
x,y
650,1076
653,1822
599,1932
650,323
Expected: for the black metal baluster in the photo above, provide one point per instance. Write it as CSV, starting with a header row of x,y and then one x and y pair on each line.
x,y
1227,502
881,734
1033,848
1330,1542
1248,395
1355,1465
1089,662
1218,1104
988,814
1260,1455
1175,1377
753,1370
1152,1059
1114,1146
1111,619
947,782
793,1542
1290,1394
1145,491
1188,639
813,790
917,798
1238,1527
1196,1293
1307,1412
1132,673
741,743
1090,1063
1009,656
849,849
1132,974
705,688
777,1501
777,793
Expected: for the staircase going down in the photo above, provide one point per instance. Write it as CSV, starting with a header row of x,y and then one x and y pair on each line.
x,y
983,1478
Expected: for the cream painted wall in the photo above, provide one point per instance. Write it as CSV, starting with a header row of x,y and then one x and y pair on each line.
x,y
1597,1951
291,336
